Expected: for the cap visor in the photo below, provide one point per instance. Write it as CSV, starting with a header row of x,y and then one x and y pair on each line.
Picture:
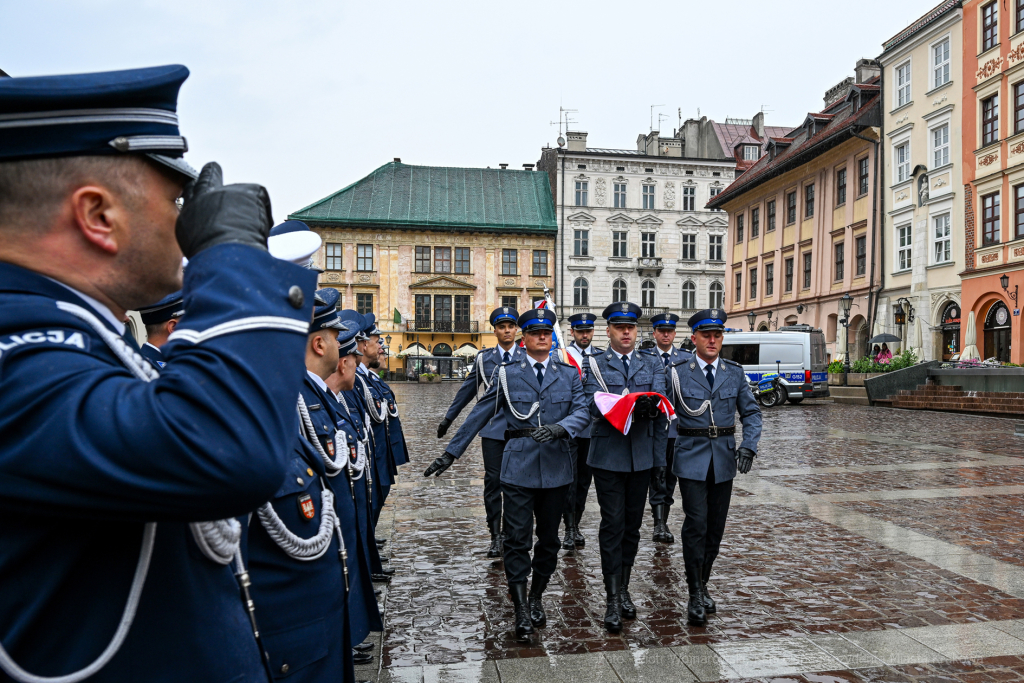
x,y
179,166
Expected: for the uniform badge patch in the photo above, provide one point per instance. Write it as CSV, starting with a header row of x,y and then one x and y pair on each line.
x,y
330,447
625,307
306,506
353,454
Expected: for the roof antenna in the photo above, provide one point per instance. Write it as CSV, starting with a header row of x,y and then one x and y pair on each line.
x,y
653,106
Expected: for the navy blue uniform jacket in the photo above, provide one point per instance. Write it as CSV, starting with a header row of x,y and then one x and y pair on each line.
x,y
484,367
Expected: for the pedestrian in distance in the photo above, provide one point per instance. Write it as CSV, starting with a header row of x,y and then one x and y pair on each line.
x,y
622,464
544,407
707,392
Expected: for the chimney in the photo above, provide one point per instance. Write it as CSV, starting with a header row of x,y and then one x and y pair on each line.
x,y
577,141
758,124
866,69
398,160
528,167
503,166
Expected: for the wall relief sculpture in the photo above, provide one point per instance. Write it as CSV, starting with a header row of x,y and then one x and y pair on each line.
x,y
599,191
670,195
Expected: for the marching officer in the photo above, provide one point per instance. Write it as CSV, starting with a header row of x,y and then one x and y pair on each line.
x,y
621,463
581,326
492,436
707,391
90,195
661,500
544,407
160,319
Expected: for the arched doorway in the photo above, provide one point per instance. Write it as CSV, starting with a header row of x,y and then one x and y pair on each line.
x,y
858,333
950,327
997,332
442,350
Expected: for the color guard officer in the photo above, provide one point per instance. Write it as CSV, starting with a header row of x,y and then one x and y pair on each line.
x,y
581,326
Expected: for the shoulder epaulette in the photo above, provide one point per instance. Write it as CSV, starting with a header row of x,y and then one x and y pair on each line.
x,y
681,361
731,362
559,362
647,352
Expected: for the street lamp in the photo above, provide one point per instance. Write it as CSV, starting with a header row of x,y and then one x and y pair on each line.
x,y
771,324
900,316
1004,281
751,318
845,303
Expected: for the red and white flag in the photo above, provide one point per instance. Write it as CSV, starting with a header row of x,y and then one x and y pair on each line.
x,y
619,409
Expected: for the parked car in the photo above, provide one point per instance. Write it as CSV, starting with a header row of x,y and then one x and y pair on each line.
x,y
796,352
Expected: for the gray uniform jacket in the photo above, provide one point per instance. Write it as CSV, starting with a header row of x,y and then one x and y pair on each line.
x,y
489,360
589,351
644,446
694,454
561,400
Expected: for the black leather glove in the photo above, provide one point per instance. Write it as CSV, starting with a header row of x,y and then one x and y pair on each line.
x,y
744,459
440,465
646,407
214,213
442,428
659,477
549,433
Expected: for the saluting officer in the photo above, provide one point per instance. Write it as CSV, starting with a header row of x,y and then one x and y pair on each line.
x,y
492,436
581,327
707,392
160,319
664,326
622,463
544,407
90,178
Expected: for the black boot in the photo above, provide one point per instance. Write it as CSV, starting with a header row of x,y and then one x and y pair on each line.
x,y
522,618
709,604
568,543
628,609
661,532
695,614
496,540
577,537
612,610
537,616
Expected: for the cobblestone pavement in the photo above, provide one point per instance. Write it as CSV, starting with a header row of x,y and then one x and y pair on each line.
x,y
867,544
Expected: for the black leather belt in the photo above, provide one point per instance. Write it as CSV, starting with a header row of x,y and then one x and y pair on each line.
x,y
710,432
519,433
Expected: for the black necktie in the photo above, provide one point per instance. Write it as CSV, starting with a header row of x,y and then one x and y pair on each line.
x,y
664,358
625,364
540,372
710,374
508,358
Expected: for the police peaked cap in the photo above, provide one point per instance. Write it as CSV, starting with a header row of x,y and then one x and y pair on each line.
x,y
171,306
665,320
708,319
503,314
622,313
325,315
582,321
294,242
537,319
355,320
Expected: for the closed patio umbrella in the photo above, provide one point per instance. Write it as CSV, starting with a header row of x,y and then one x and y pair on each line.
x,y
840,353
917,345
971,340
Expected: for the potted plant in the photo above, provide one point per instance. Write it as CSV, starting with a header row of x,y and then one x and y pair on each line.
x,y
430,378
836,375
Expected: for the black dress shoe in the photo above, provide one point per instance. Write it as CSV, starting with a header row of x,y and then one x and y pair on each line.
x,y
364,646
495,549
568,543
695,614
380,578
381,542
360,658
537,615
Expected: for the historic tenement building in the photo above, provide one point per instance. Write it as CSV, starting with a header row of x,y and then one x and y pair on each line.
x,y
923,221
632,222
432,251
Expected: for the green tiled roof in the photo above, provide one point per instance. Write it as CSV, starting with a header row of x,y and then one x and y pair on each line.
x,y
470,199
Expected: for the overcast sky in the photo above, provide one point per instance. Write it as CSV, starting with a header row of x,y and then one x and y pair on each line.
x,y
309,96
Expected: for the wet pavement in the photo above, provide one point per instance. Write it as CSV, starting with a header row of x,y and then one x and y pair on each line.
x,y
867,544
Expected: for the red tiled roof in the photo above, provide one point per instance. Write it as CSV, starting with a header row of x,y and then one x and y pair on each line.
x,y
729,134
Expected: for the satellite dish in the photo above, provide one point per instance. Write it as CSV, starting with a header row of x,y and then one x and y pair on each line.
x,y
561,141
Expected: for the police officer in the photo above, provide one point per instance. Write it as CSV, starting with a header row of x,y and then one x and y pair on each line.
x,y
544,407
372,361
707,391
664,326
581,327
160,319
492,436
90,171
622,463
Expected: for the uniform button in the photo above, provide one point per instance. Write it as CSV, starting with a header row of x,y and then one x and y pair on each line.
x,y
296,298
309,471
299,480
284,667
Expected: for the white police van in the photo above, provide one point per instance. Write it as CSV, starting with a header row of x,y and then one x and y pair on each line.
x,y
796,352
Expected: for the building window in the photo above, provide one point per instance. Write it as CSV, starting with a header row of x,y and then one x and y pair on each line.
x,y
840,187
943,250
903,84
647,294
990,219
1018,106
540,262
1019,18
647,241
807,270
809,201
442,259
580,292
334,257
442,310
904,247
861,243
901,159
753,283
717,295
649,197
364,257
989,27
791,208
581,193
689,198
422,259
689,296
364,303
840,260
755,222
739,228
770,210
940,62
509,262
689,247
462,260
989,120
715,191
581,243
1018,210
510,302
619,195
423,311
940,146
619,244
715,248
789,274
769,279
751,152
739,287
862,177
462,312
619,292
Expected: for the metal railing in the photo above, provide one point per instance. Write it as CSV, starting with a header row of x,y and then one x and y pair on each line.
x,y
651,311
648,263
450,326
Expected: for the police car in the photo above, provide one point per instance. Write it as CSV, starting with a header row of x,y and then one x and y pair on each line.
x,y
796,352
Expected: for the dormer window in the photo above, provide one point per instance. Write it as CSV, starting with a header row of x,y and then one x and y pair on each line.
x,y
751,152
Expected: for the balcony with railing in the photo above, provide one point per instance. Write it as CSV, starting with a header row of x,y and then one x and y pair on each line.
x,y
648,312
649,265
449,326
